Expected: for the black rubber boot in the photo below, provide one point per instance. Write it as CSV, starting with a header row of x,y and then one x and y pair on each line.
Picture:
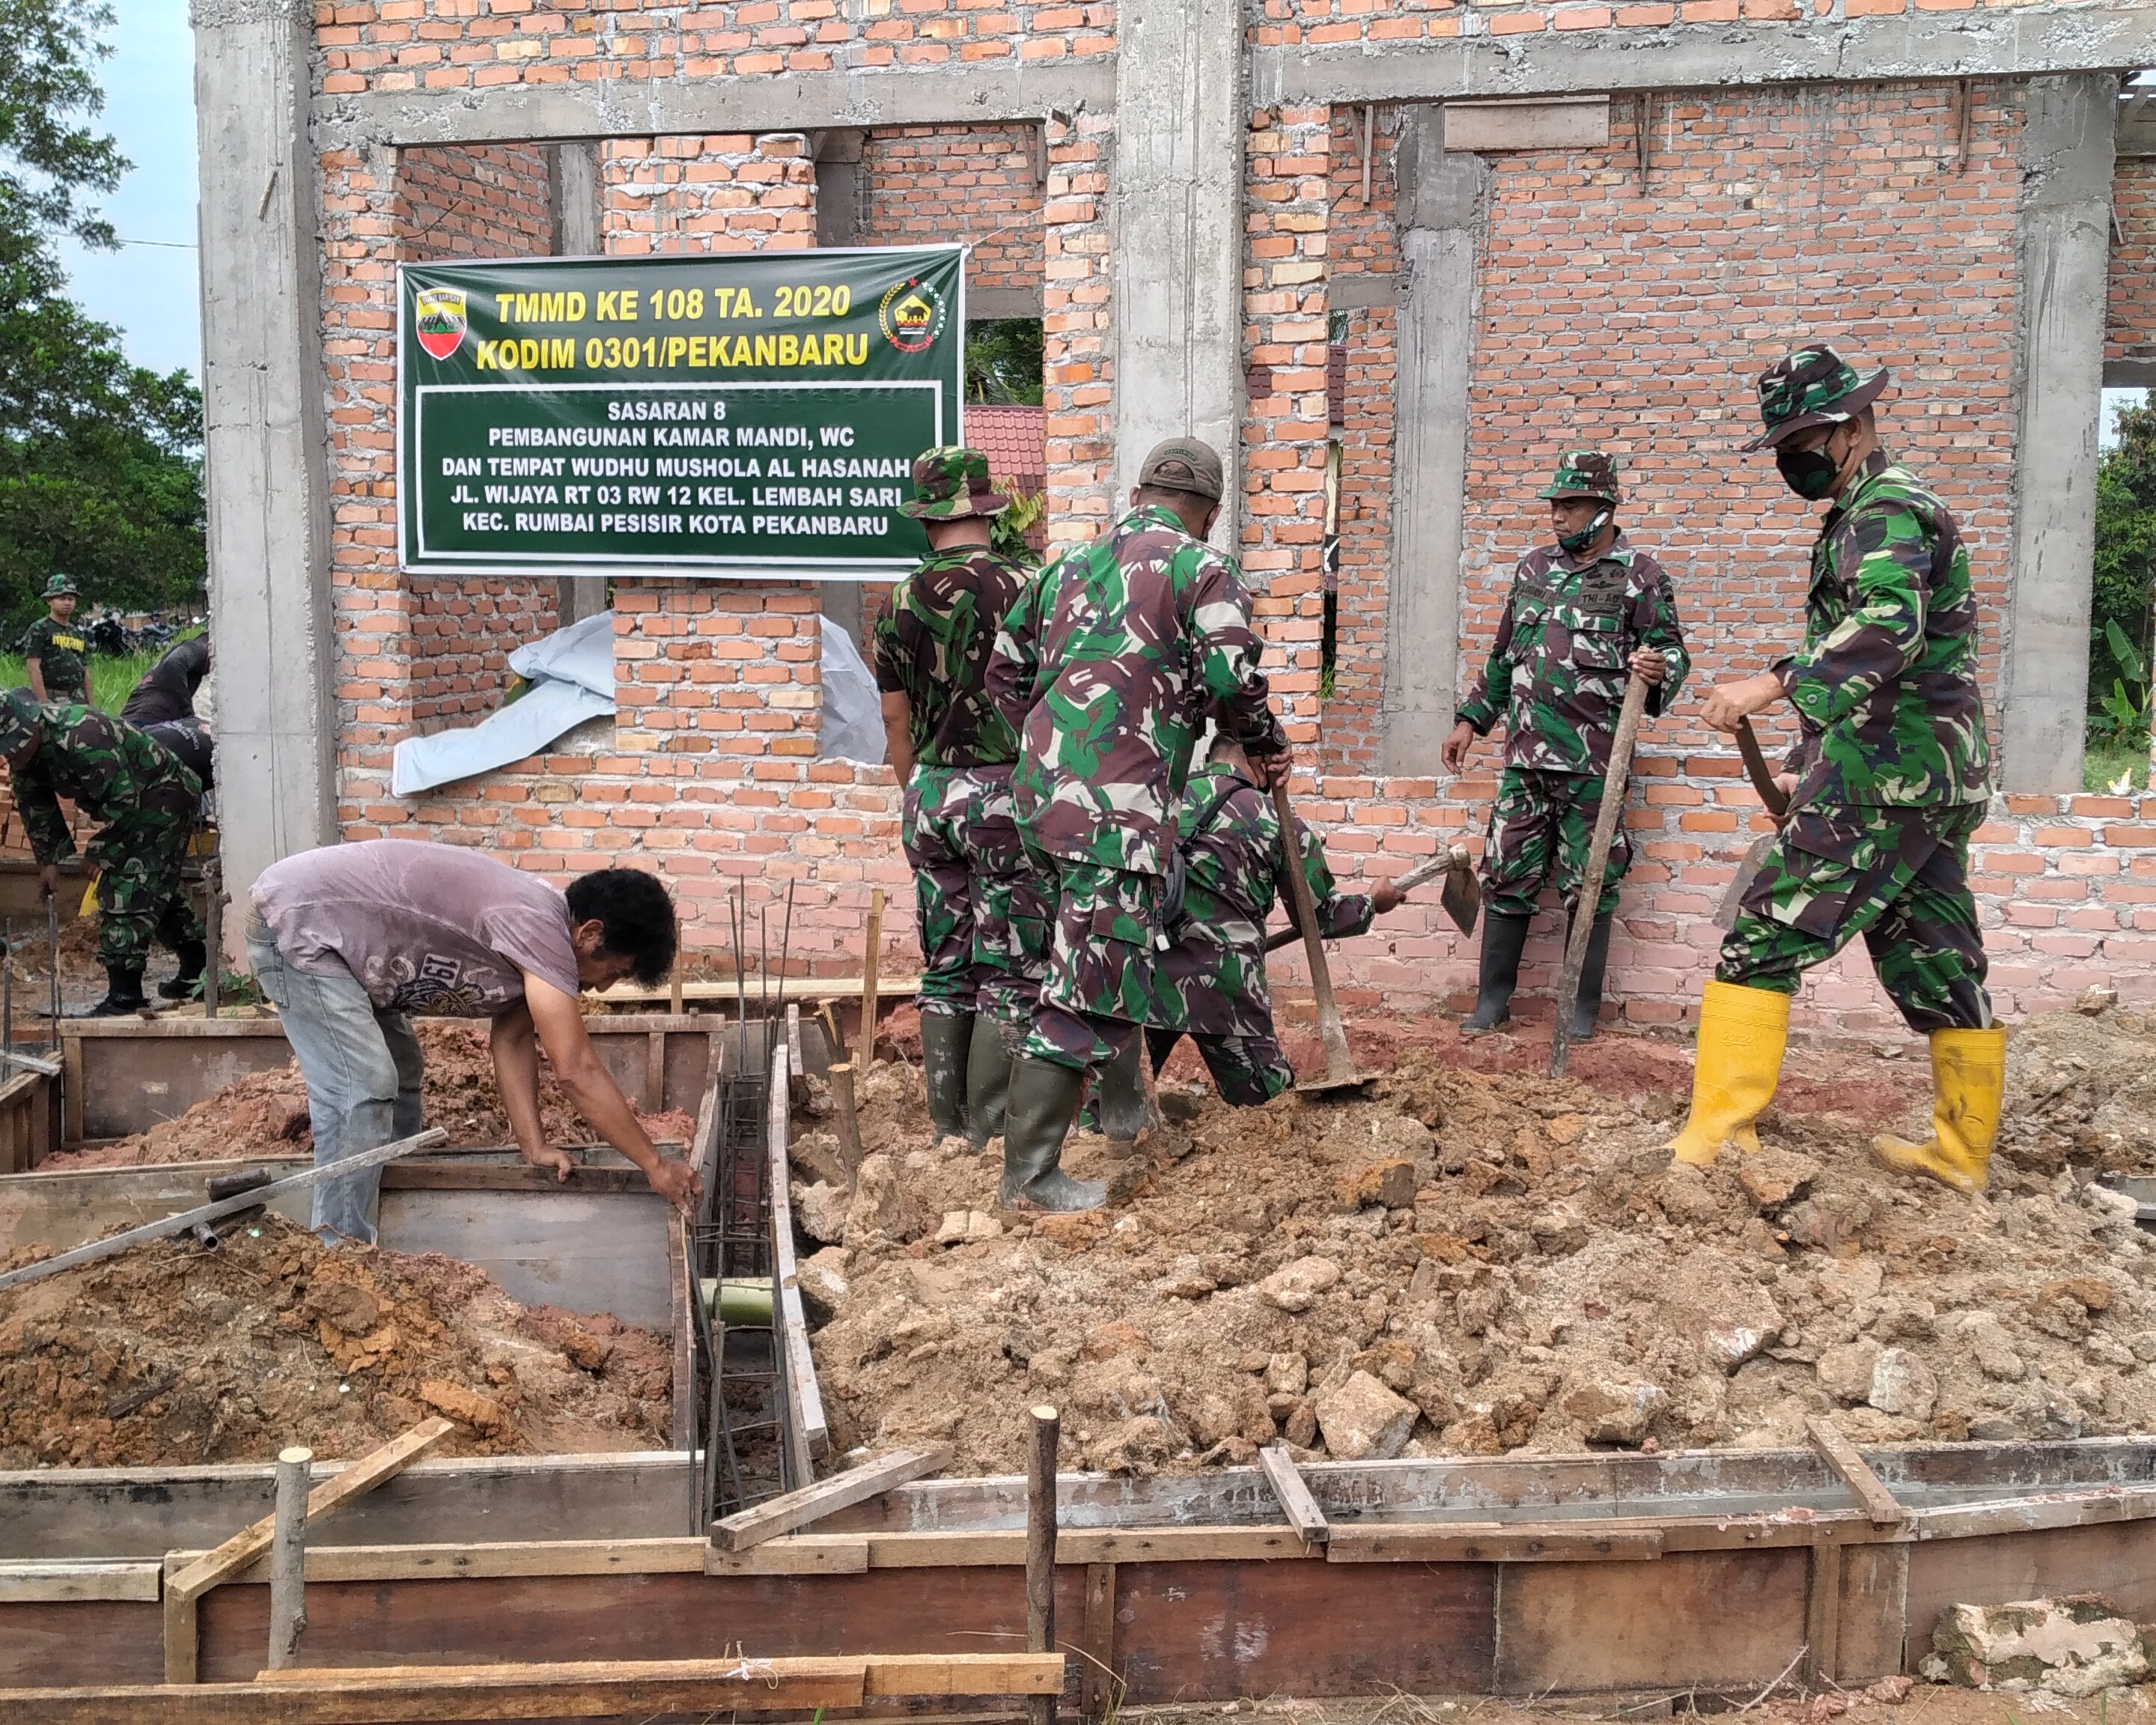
x,y
1119,1095
1587,1008
988,1078
194,958
123,994
1503,940
1043,1097
947,1041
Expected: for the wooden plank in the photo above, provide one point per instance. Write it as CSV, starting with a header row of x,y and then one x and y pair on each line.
x,y
1295,1502
324,1500
1490,1542
1823,1615
1871,1622
871,962
797,1509
878,1675
1528,123
2117,1561
776,990
182,1645
804,1554
681,1290
27,1581
679,1555
1842,1457
1005,1548
654,1072
466,1176
1097,1683
795,1067
804,1401
71,1088
2025,1515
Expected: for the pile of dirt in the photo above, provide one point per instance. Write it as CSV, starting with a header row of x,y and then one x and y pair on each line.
x,y
168,1354
266,1115
1476,1261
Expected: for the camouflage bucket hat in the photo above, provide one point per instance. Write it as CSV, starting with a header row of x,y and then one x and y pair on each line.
x,y
1814,386
18,721
950,483
1584,473
57,585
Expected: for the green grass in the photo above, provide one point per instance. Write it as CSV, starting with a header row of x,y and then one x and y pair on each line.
x,y
2104,763
111,680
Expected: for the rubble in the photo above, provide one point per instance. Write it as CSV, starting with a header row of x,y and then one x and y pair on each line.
x,y
1553,1284
2078,1645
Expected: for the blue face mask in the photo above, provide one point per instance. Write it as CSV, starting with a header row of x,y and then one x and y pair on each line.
x,y
1575,543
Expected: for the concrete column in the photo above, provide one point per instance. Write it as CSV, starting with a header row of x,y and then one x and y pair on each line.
x,y
2064,245
1176,227
578,232
1442,208
842,188
263,433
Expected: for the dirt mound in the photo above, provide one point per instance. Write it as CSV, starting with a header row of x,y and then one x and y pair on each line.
x,y
171,1355
1473,1261
267,1115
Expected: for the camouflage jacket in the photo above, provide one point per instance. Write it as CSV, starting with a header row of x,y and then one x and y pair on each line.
x,y
1557,672
1228,834
1106,666
1885,685
104,767
932,647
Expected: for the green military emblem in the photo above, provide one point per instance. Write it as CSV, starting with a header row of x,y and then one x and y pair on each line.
x,y
951,482
1814,386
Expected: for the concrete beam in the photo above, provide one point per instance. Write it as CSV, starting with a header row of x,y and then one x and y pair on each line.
x,y
579,232
264,435
1177,220
2064,245
975,93
1920,45
1442,206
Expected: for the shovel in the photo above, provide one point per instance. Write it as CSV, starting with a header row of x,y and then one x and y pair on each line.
x,y
1461,899
1770,793
1340,1073
1612,811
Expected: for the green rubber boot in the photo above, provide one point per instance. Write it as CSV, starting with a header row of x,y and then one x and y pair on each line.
x,y
947,1039
988,1077
1504,938
1587,1009
1043,1098
1119,1096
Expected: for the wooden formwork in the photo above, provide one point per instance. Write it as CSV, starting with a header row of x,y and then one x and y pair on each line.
x,y
30,1119
1713,1570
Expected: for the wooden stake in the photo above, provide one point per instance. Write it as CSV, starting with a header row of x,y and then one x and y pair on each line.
x,y
1295,1501
798,1509
1041,1549
674,996
831,1029
287,1558
848,1124
869,976
1856,1473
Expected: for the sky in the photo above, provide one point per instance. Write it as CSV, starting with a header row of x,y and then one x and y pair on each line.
x,y
148,289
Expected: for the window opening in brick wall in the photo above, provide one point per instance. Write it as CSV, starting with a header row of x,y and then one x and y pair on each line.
x,y
1328,633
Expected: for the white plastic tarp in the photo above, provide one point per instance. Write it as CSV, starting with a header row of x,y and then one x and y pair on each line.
x,y
853,710
571,672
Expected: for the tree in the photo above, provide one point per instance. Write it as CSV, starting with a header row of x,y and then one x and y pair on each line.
x,y
100,460
2124,579
1003,361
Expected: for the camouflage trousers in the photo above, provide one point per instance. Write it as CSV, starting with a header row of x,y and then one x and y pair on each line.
x,y
139,896
1898,877
977,895
1102,962
1543,822
1247,1070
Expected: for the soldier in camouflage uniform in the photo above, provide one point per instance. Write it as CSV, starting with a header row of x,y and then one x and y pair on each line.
x,y
1227,833
1889,779
52,649
146,801
1106,666
1582,613
954,751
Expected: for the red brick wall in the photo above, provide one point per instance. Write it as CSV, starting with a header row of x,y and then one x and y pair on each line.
x,y
931,185
494,202
2129,323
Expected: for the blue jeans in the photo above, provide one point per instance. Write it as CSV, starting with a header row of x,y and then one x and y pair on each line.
x,y
362,1070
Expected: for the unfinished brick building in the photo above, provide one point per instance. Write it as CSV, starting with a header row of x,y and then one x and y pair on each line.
x,y
1527,224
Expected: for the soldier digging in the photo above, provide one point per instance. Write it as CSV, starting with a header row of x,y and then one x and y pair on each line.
x,y
1582,615
1108,666
953,753
1890,777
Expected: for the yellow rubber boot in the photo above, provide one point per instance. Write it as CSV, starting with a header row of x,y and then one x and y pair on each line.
x,y
1741,1033
1968,1080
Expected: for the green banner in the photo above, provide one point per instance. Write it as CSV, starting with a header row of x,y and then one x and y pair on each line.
x,y
709,415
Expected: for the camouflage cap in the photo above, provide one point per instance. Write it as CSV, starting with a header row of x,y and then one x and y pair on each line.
x,y
18,722
1183,464
1584,473
56,585
951,482
1814,386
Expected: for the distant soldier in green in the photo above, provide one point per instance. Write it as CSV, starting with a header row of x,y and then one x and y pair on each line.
x,y
1582,613
146,802
1889,779
953,753
1228,834
1106,666
53,650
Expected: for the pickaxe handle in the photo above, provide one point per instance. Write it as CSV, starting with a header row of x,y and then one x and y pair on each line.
x,y
1421,875
1612,811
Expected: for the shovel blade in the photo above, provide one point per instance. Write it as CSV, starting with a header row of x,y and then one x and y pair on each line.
x,y
1732,897
1462,898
